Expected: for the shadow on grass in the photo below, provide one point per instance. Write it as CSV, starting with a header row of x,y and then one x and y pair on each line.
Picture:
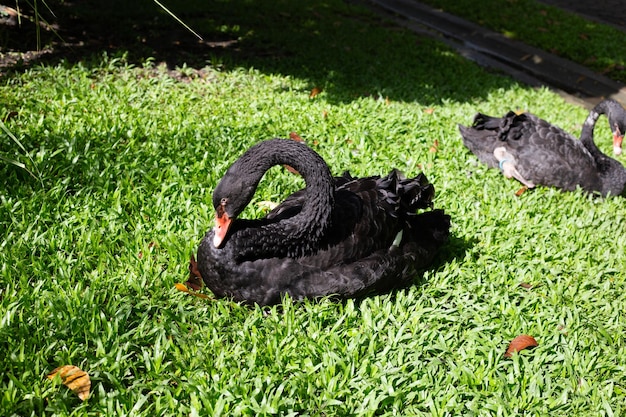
x,y
340,48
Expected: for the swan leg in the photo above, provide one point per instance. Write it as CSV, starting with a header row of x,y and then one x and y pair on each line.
x,y
507,165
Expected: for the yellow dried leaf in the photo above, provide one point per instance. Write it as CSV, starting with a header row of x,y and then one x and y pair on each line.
x,y
267,205
182,287
74,378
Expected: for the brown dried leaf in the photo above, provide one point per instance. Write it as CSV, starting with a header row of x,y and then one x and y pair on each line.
x,y
521,342
9,116
74,378
295,136
315,91
195,279
291,169
521,191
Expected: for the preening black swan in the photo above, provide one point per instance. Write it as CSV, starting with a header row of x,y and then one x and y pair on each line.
x,y
537,153
341,236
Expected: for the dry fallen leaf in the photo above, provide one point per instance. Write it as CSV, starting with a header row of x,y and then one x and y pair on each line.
x,y
297,138
315,91
194,282
521,191
521,342
267,205
151,246
74,378
182,287
10,115
195,279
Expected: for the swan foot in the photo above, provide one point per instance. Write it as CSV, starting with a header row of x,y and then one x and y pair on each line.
x,y
507,165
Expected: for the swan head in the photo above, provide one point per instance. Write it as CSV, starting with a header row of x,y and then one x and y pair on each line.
x,y
222,223
230,198
617,120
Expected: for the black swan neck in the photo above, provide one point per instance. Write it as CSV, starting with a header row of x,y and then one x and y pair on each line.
x,y
611,172
285,237
587,135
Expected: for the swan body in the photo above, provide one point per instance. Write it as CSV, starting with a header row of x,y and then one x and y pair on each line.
x,y
339,236
536,152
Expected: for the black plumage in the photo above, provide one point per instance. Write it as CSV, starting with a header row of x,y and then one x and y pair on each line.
x,y
340,236
536,152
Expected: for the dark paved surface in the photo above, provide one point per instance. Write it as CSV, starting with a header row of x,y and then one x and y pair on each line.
x,y
612,12
527,64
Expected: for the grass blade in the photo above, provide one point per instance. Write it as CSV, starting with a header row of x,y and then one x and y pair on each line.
x,y
178,19
17,163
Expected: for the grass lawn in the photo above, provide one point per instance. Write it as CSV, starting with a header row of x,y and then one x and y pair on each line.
x,y
127,152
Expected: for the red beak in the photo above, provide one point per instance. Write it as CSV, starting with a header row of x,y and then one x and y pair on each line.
x,y
617,143
222,223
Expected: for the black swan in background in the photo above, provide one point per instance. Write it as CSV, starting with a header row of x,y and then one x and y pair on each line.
x,y
537,153
339,236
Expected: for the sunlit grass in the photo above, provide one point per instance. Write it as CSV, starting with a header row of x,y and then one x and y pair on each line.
x,y
128,157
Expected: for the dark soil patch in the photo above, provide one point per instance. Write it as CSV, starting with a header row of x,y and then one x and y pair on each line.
x,y
80,31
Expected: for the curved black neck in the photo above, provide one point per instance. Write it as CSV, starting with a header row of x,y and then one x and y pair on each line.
x,y
611,172
285,237
586,135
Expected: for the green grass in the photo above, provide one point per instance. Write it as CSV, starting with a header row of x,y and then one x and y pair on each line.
x,y
563,33
128,157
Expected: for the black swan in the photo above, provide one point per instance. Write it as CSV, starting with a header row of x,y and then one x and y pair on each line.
x,y
342,236
535,152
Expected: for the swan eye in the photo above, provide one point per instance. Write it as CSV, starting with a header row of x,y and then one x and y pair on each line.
x,y
223,201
